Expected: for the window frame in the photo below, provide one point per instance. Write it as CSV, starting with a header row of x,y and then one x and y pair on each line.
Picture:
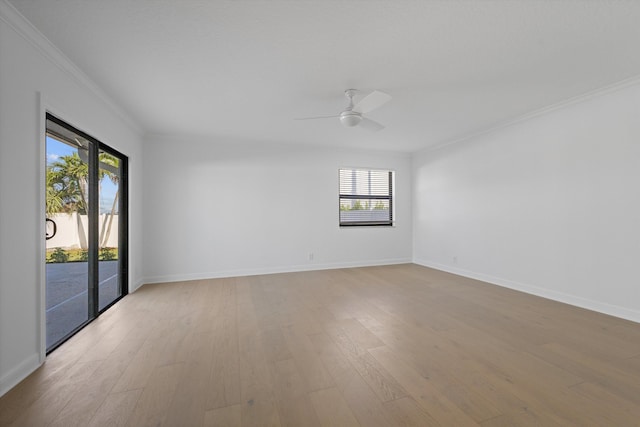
x,y
390,198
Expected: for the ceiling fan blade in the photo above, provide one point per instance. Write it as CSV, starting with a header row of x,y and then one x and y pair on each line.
x,y
317,117
372,101
370,125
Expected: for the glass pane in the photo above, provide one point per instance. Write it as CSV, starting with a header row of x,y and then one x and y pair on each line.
x,y
109,284
364,210
67,269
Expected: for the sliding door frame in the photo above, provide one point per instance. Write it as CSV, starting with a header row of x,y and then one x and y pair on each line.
x,y
95,146
123,226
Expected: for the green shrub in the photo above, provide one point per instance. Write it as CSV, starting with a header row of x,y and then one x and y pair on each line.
x,y
79,255
107,254
59,255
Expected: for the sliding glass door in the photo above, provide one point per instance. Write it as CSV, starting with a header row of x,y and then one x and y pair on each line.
x,y
86,242
110,172
67,269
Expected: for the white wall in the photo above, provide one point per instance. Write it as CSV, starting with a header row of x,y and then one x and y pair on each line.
x,y
550,205
72,230
30,67
217,209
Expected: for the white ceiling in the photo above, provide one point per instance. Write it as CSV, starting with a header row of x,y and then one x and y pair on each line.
x,y
245,69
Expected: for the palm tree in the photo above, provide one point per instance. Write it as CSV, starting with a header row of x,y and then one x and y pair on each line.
x,y
67,181
67,178
109,167
67,187
53,199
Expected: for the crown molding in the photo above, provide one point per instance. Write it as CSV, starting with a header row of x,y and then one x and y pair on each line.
x,y
596,93
16,21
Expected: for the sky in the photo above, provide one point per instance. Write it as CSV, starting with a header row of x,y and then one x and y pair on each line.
x,y
57,149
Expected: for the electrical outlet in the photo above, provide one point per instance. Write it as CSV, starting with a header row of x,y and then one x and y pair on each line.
x,y
310,256
455,259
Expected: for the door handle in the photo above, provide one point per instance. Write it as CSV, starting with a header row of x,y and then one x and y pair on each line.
x,y
55,229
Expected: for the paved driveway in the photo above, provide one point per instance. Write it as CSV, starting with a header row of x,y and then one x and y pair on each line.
x,y
67,296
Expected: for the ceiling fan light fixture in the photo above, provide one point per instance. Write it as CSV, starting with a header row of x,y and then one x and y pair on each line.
x,y
350,118
353,115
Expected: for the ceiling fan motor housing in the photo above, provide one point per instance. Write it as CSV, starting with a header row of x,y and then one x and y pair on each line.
x,y
350,118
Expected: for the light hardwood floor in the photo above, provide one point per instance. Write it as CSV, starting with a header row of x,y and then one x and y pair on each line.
x,y
378,346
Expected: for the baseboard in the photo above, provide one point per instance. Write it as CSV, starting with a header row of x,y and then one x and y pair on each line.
x,y
600,307
270,270
20,372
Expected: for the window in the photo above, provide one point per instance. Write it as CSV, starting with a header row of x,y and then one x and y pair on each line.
x,y
366,197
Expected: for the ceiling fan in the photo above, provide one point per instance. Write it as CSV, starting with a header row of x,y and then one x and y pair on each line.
x,y
353,114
